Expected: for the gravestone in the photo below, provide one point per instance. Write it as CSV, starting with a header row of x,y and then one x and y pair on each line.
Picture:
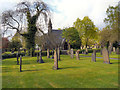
x,y
109,49
113,49
48,53
86,51
105,56
77,55
25,51
37,57
12,51
20,63
55,67
81,47
117,51
71,53
68,52
52,54
58,53
82,52
94,56
17,58
40,56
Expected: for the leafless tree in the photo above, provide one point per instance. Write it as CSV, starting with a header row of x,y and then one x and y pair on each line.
x,y
27,14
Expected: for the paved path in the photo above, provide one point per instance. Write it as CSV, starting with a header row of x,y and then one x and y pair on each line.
x,y
102,57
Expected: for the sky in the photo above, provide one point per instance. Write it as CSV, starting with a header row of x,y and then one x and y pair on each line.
x,y
65,12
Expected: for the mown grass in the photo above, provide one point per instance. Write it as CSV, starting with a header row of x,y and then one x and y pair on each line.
x,y
112,55
72,73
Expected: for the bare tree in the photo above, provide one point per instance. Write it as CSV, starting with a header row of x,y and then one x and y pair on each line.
x,y
26,14
51,41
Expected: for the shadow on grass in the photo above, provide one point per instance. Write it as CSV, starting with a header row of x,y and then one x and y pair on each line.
x,y
32,70
68,68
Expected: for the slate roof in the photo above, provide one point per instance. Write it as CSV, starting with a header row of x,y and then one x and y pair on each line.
x,y
58,35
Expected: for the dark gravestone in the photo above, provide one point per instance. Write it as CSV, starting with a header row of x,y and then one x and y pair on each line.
x,y
12,51
17,58
117,51
52,54
105,56
82,52
71,53
55,67
58,53
40,57
94,56
20,63
48,53
77,55
25,51
37,57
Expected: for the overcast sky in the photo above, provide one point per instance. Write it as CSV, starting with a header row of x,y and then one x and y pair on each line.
x,y
67,11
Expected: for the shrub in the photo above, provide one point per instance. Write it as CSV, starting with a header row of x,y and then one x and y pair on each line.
x,y
11,55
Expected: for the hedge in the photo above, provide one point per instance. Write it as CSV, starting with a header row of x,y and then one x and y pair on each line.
x,y
44,53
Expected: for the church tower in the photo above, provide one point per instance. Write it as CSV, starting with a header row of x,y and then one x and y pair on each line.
x,y
49,26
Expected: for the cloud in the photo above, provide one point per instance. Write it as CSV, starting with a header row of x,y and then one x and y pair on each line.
x,y
67,11
70,10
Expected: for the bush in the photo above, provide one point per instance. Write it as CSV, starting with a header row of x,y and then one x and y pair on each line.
x,y
11,55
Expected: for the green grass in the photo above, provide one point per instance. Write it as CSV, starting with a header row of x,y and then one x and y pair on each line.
x,y
72,73
112,55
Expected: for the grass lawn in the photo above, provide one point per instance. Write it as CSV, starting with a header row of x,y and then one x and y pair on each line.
x,y
112,55
72,73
